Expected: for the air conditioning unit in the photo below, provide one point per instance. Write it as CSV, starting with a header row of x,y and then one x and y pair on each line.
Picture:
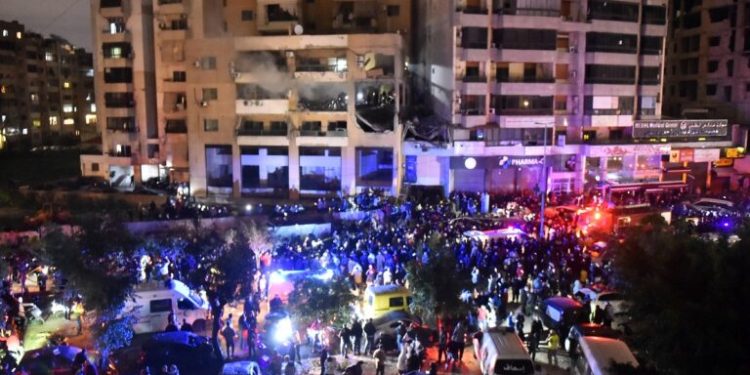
x,y
245,103
573,49
290,54
197,64
492,110
204,103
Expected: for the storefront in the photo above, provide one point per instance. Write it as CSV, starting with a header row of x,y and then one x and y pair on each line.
x,y
624,164
502,174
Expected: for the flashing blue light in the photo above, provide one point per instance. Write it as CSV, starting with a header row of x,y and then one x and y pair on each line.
x,y
325,276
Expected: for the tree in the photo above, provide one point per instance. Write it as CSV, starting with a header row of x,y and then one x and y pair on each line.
x,y
96,262
329,301
225,269
687,299
436,286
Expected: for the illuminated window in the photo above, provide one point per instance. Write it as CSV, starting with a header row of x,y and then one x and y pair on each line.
x,y
67,108
53,121
34,97
69,121
19,35
24,131
49,56
3,90
66,85
36,122
93,108
90,119
5,32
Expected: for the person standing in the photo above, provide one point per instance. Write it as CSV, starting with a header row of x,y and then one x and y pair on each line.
x,y
242,323
442,345
228,333
379,356
535,336
459,340
323,360
369,330
357,336
552,346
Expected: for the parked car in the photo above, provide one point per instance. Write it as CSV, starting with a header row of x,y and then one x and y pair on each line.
x,y
53,360
560,313
387,325
192,354
587,329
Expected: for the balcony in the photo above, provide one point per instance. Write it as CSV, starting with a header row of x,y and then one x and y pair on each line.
x,y
111,8
279,17
474,79
171,6
320,73
174,29
260,131
262,106
472,10
122,127
120,154
330,104
175,127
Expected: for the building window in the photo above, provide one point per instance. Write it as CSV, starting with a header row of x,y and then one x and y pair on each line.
x,y
728,93
5,32
210,125
712,66
248,15
69,121
48,56
68,108
714,41
393,10
53,121
710,90
208,63
210,94
179,76
94,167
730,68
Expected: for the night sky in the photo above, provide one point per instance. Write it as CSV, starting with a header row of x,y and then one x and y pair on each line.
x,y
67,18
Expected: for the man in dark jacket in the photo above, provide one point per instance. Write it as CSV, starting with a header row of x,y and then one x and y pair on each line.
x,y
357,336
370,331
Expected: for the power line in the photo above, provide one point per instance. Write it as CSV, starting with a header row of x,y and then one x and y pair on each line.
x,y
54,20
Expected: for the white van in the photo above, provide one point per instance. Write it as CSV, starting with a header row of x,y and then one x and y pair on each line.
x,y
152,303
501,352
596,354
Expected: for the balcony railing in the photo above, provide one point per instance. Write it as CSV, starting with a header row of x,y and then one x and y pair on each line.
x,y
472,10
525,112
262,132
316,68
477,44
166,2
472,111
127,128
175,127
527,12
110,3
319,133
507,79
476,79
121,154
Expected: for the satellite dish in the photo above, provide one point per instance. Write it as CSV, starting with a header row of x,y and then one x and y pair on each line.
x,y
298,29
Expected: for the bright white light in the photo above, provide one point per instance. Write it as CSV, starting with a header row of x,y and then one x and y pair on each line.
x,y
360,96
58,308
470,163
248,207
325,276
283,331
276,278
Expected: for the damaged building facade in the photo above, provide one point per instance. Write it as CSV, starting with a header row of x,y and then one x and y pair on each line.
x,y
251,98
567,90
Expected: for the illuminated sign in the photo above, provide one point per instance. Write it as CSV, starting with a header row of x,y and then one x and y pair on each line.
x,y
734,152
680,128
722,163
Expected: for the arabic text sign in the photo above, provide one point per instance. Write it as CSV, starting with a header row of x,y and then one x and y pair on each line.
x,y
680,128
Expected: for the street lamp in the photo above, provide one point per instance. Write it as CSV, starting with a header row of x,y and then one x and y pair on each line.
x,y
544,178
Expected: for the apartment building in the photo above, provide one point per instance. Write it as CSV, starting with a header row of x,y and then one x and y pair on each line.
x,y
567,90
46,89
251,98
709,71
